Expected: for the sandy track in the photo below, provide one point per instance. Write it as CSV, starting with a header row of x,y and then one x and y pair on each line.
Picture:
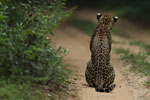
x,y
78,44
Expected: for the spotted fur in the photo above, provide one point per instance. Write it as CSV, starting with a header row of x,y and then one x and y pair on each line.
x,y
100,72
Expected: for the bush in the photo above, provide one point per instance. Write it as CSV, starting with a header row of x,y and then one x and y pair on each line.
x,y
26,53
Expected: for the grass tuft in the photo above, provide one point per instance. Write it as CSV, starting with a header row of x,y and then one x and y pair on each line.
x,y
147,84
138,61
142,45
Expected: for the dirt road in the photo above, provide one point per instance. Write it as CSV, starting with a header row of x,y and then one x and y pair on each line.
x,y
128,85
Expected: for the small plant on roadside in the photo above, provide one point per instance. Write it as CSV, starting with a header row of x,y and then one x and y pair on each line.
x,y
147,84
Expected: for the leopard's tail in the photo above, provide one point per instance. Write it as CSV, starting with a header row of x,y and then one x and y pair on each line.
x,y
107,90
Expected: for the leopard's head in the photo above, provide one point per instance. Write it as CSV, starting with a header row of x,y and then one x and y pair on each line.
x,y
106,22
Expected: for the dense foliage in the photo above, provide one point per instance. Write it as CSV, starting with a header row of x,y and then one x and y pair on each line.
x,y
135,10
26,53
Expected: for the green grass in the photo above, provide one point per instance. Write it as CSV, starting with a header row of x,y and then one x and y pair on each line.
x,y
30,91
138,61
142,45
11,91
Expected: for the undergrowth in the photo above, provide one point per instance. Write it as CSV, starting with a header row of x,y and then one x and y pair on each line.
x,y
11,91
27,57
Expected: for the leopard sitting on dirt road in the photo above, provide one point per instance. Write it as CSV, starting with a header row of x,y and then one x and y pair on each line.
x,y
100,72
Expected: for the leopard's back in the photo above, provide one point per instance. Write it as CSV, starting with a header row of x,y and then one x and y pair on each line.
x,y
100,50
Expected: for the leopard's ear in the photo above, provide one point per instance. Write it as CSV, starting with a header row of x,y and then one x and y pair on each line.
x,y
99,16
115,18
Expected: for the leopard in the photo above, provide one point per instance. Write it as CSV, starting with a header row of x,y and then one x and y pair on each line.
x,y
100,72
